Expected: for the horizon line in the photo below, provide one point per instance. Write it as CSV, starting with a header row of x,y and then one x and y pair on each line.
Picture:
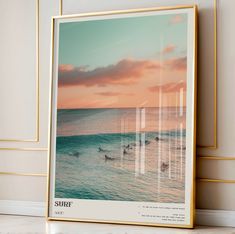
x,y
85,108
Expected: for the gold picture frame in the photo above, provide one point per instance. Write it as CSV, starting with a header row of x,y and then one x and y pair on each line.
x,y
191,196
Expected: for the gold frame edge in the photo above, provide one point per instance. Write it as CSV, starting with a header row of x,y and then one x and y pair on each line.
x,y
192,204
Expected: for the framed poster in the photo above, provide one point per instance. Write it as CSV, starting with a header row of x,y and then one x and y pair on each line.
x,y
123,107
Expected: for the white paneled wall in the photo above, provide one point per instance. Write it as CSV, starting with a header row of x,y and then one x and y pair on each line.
x,y
24,93
25,27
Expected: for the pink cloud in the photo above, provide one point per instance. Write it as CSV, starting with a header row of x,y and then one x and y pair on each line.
x,y
66,67
169,49
176,19
179,64
126,71
112,94
169,88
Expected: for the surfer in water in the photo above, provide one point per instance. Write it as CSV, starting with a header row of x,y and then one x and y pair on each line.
x,y
108,158
101,150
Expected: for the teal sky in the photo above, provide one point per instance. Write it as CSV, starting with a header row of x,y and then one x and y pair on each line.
x,y
103,42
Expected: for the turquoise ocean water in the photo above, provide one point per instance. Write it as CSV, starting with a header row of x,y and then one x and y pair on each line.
x,y
121,154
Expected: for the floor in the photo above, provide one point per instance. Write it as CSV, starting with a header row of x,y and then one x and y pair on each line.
x,y
38,225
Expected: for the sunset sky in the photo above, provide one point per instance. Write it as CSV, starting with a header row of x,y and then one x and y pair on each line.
x,y
124,62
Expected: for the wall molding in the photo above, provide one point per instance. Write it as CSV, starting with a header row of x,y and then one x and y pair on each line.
x,y
203,217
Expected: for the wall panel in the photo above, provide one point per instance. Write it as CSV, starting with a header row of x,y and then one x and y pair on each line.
x,y
215,196
24,161
23,188
25,42
18,70
226,81
216,169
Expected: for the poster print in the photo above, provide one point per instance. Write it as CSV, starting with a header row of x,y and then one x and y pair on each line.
x,y
122,137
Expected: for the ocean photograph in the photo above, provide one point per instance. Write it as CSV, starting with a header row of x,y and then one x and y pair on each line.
x,y
108,160
121,109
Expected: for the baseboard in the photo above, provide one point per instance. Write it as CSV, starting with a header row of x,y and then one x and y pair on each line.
x,y
22,208
224,218
203,217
